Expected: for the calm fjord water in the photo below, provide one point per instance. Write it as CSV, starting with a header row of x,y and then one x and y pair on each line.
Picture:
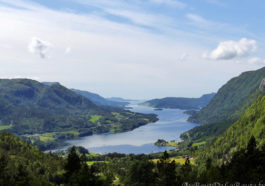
x,y
172,122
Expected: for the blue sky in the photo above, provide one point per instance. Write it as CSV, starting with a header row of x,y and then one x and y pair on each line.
x,y
135,48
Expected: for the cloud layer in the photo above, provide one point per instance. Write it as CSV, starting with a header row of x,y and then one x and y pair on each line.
x,y
232,49
39,47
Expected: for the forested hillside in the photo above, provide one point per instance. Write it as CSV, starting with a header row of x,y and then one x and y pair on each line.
x,y
226,107
23,164
251,123
232,99
48,115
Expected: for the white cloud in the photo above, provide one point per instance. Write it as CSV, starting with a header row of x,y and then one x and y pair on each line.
x,y
39,47
232,49
256,61
110,57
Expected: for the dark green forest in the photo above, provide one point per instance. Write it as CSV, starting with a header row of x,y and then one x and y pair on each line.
x,y
23,164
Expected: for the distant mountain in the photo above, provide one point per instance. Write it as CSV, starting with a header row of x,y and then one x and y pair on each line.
x,y
95,98
99,100
49,114
50,83
32,94
117,99
180,103
232,99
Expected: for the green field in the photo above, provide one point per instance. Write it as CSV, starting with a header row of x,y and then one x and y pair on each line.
x,y
199,144
93,154
46,138
177,159
95,118
172,144
4,127
51,136
93,162
118,116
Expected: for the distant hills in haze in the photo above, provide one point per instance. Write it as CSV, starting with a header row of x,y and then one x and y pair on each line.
x,y
117,99
96,98
180,102
101,101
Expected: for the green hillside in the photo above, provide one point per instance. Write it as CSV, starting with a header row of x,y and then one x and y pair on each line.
x,y
48,115
180,103
23,164
232,99
251,123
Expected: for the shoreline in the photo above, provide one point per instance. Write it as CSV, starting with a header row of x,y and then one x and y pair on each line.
x,y
177,119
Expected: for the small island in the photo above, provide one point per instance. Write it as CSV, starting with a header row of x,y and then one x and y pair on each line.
x,y
163,143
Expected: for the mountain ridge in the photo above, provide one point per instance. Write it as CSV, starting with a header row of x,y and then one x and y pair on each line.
x,y
180,102
99,100
232,99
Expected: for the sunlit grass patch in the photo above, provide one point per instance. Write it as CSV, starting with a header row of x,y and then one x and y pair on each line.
x,y
177,159
93,162
93,154
4,127
199,144
75,133
46,139
95,118
51,136
172,144
90,162
118,116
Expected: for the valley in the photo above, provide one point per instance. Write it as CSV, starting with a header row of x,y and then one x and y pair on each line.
x,y
171,124
112,143
132,93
